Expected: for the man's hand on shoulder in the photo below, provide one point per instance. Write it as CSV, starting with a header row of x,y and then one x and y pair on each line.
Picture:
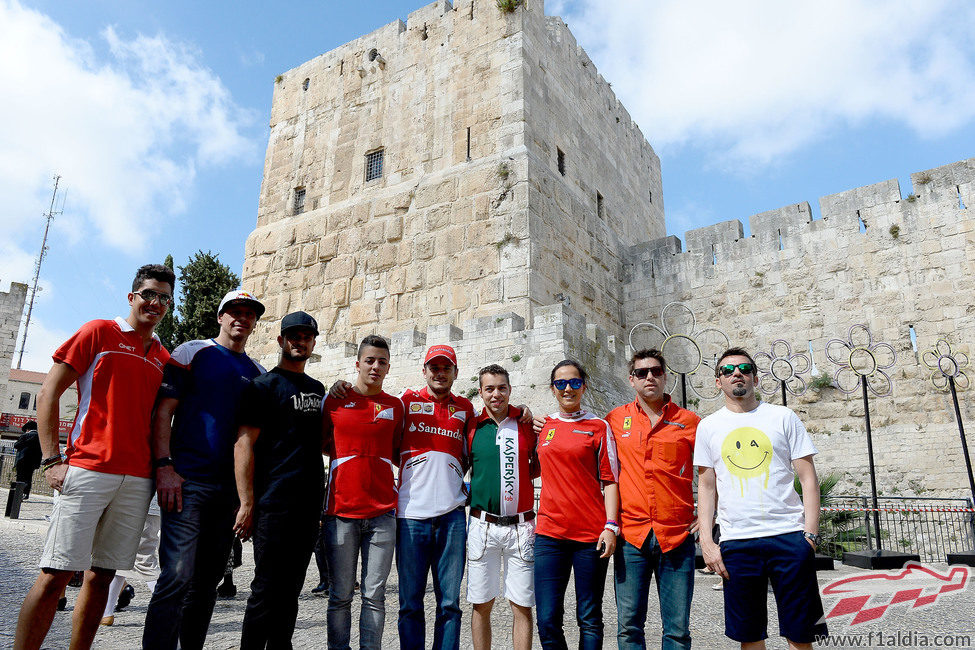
x,y
526,414
537,424
339,389
169,488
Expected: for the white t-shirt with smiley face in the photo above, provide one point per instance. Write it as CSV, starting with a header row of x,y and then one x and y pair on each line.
x,y
752,455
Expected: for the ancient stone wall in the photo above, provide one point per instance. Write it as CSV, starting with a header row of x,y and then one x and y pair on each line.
x,y
11,313
874,257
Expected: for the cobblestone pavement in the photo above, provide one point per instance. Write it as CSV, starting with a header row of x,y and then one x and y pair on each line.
x,y
21,541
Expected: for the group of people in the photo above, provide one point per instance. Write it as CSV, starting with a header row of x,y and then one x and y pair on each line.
x,y
231,450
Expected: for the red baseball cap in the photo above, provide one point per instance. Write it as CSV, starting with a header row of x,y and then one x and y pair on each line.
x,y
444,351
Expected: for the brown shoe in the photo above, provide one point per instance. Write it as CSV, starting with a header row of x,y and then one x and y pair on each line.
x,y
108,621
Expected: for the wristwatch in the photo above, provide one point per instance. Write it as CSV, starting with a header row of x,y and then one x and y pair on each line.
x,y
165,461
813,537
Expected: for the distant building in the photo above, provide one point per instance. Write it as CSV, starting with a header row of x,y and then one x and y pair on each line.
x,y
20,404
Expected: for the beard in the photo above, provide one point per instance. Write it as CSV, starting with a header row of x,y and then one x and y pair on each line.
x,y
739,391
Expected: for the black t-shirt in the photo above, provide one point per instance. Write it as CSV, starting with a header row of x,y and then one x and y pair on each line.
x,y
288,469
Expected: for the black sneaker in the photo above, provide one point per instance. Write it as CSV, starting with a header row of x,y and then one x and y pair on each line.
x,y
226,590
321,590
62,604
125,597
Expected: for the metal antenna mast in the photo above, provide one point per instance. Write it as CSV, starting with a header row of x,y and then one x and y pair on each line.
x,y
37,268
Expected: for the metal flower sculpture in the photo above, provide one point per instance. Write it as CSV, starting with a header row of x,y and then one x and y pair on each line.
x,y
944,364
781,368
686,348
949,375
860,359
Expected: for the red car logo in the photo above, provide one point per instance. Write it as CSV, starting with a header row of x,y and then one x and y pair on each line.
x,y
915,584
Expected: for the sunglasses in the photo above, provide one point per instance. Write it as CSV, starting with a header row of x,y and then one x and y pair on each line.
x,y
641,373
575,383
149,295
729,369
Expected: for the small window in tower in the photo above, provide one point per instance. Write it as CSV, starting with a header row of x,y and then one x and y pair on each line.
x,y
373,54
24,401
600,210
374,165
299,203
304,84
560,158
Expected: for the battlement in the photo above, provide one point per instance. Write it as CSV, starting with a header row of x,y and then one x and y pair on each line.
x,y
871,210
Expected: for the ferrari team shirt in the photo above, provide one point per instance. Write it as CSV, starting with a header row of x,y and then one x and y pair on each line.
x,y
656,472
116,392
577,455
433,453
363,435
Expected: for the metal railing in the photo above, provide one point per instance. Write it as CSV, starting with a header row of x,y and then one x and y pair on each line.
x,y
929,527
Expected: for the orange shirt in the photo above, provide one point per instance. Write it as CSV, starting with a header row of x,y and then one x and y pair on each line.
x,y
656,473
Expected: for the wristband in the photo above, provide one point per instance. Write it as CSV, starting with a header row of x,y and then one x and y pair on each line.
x,y
51,461
612,527
165,461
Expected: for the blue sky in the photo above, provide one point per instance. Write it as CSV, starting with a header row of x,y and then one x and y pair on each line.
x,y
155,114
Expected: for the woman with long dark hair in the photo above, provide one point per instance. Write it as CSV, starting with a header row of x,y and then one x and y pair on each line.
x,y
577,514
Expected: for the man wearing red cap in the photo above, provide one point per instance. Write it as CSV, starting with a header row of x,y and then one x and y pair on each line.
x,y
431,535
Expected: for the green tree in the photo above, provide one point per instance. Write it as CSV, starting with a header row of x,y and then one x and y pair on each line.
x,y
203,282
166,330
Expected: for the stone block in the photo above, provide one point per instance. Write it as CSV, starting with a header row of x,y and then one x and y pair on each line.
x,y
328,247
424,248
342,267
394,228
363,312
401,341
309,254
356,288
434,193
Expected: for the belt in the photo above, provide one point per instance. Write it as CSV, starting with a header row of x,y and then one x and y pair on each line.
x,y
509,520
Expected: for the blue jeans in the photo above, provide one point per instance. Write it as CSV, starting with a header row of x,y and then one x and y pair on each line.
x,y
345,540
193,550
675,586
437,545
554,560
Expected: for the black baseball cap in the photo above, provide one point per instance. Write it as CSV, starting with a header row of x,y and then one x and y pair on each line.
x,y
299,319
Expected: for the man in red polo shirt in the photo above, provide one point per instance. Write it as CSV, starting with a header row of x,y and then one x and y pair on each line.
x,y
105,479
655,443
361,433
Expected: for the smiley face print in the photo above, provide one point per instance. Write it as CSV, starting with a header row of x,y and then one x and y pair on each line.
x,y
747,453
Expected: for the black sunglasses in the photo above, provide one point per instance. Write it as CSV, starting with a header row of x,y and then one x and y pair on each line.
x,y
641,373
149,295
729,368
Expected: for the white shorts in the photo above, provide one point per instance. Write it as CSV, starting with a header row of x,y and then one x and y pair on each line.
x,y
491,547
97,521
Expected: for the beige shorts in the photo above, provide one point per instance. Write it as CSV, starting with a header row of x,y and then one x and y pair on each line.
x,y
97,521
493,549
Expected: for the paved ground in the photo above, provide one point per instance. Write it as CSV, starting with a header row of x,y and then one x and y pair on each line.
x,y
21,541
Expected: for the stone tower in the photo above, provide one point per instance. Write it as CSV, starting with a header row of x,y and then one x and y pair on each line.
x,y
466,164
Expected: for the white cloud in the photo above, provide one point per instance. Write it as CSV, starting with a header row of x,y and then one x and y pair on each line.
x,y
127,132
755,80
42,341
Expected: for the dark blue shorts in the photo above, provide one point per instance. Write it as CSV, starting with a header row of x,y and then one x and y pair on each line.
x,y
787,560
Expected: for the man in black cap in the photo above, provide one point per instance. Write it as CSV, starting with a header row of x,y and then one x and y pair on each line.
x,y
279,470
